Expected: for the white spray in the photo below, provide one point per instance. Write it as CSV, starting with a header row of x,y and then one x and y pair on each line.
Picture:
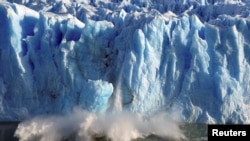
x,y
85,126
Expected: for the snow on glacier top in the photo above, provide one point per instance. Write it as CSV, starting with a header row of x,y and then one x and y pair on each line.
x,y
198,7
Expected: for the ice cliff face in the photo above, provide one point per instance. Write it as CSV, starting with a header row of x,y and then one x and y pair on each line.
x,y
190,58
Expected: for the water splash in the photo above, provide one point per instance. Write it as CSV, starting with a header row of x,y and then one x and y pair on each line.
x,y
85,126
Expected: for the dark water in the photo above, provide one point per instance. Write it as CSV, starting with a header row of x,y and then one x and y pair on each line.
x,y
7,130
193,132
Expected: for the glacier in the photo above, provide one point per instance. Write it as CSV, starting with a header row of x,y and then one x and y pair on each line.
x,y
190,58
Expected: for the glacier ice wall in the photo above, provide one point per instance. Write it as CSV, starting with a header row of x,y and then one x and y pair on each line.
x,y
190,58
